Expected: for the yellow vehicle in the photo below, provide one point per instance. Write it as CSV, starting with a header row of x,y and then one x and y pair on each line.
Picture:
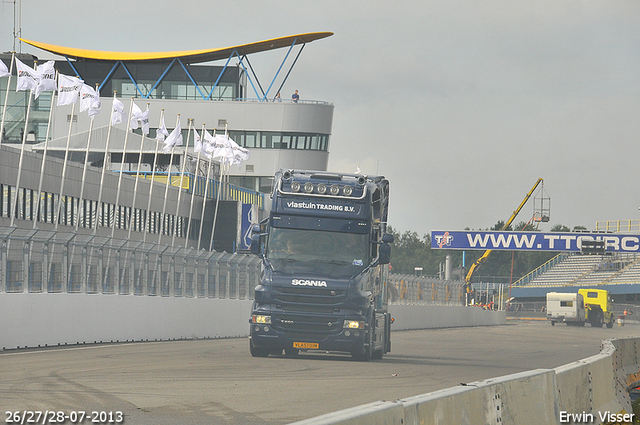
x,y
598,307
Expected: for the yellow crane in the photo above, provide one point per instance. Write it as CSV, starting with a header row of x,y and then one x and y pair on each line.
x,y
486,254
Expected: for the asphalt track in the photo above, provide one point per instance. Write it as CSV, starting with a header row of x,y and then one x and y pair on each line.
x,y
218,382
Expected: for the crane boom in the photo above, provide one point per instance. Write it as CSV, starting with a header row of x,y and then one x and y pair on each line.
x,y
486,254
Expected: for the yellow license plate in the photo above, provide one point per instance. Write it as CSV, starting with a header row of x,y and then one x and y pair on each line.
x,y
307,345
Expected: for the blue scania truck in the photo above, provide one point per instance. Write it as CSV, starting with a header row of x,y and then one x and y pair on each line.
x,y
325,267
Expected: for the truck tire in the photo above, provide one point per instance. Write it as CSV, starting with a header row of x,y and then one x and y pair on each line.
x,y
596,322
258,351
553,323
378,354
610,322
291,352
365,353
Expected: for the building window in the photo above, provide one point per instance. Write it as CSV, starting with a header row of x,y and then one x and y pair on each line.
x,y
280,140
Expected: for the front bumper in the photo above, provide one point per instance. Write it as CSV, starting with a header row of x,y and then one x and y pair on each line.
x,y
268,337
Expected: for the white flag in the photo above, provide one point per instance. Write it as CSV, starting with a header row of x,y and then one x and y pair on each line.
x,y
240,154
197,143
46,74
135,116
174,139
144,121
139,119
94,109
161,132
118,112
223,149
4,71
209,144
89,100
68,89
27,77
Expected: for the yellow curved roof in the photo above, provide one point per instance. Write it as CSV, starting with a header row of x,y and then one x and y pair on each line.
x,y
187,56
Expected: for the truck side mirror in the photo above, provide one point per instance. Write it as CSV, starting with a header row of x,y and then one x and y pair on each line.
x,y
387,238
384,253
255,244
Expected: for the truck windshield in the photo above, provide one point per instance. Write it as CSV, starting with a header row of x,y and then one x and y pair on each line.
x,y
339,255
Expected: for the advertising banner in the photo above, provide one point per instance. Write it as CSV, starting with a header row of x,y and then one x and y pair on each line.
x,y
249,217
531,241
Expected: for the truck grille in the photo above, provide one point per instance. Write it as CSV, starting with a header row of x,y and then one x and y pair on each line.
x,y
308,299
307,309
305,324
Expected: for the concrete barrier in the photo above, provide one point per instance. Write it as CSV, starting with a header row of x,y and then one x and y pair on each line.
x,y
34,320
522,398
592,390
46,319
442,316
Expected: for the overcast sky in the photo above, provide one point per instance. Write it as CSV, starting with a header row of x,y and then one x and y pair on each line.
x,y
462,105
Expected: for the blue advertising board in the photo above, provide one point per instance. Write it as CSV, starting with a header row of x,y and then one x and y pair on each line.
x,y
531,241
249,217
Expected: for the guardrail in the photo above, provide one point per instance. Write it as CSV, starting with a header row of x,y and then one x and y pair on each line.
x,y
39,261
50,262
592,390
426,290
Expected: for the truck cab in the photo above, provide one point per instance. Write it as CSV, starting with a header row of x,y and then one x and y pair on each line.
x,y
599,307
325,267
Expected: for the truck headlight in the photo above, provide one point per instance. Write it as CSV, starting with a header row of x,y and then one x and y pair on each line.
x,y
262,319
353,324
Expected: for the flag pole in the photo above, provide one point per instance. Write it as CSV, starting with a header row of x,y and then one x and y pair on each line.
x,y
220,188
135,186
184,163
116,215
193,189
223,163
204,197
64,168
105,161
84,174
14,205
204,200
6,98
166,190
153,180
44,158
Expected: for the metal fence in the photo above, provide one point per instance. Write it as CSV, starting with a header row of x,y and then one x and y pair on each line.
x,y
50,262
426,290
39,261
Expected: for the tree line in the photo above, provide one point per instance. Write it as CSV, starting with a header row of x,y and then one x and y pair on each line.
x,y
410,251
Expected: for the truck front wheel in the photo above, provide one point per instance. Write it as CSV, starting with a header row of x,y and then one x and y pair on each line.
x,y
258,351
610,322
365,353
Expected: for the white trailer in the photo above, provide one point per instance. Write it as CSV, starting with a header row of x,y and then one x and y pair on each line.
x,y
565,307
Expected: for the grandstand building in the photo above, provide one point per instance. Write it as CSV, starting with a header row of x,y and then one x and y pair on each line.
x,y
214,89
617,272
279,133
